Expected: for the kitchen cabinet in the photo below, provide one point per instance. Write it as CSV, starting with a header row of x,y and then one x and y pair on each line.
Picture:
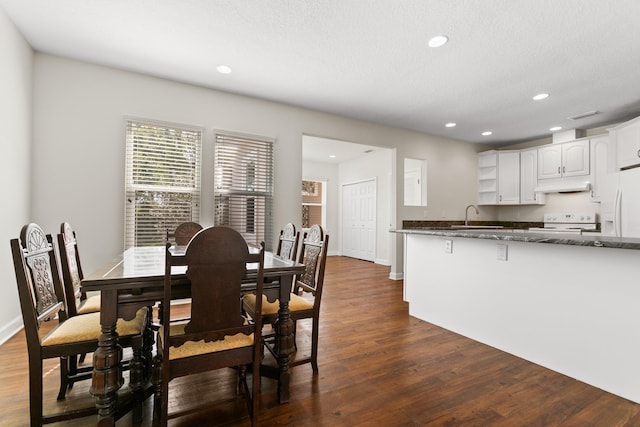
x,y
508,177
488,177
499,177
564,160
627,140
529,178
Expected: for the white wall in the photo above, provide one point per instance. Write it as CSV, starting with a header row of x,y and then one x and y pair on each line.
x,y
16,58
78,161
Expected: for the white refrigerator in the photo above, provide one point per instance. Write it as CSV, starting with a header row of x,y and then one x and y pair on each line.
x,y
627,204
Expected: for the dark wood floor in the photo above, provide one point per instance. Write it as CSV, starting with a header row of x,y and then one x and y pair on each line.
x,y
378,367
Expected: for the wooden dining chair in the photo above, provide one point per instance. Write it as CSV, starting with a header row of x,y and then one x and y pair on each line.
x,y
288,242
181,236
313,255
72,274
184,232
42,298
217,335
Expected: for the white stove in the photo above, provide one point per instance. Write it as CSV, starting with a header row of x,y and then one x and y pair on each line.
x,y
569,222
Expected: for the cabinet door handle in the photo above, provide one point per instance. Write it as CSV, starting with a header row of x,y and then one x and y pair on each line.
x,y
564,169
558,169
638,153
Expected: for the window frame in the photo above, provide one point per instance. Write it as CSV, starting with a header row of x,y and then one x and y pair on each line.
x,y
236,186
189,170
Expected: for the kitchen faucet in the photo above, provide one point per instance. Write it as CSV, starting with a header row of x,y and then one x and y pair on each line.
x,y
466,213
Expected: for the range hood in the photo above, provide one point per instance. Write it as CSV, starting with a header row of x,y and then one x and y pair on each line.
x,y
564,187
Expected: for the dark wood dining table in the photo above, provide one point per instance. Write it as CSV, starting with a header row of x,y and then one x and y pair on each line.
x,y
134,280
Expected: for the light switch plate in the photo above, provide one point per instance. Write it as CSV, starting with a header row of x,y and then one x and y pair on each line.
x,y
448,246
502,251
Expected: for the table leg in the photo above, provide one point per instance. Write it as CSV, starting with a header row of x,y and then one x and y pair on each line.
x,y
107,375
284,344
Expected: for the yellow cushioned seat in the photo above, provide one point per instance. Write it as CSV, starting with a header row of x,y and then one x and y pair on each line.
x,y
86,327
90,305
194,348
296,303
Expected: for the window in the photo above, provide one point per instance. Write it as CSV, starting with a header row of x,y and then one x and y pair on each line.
x,y
243,185
162,180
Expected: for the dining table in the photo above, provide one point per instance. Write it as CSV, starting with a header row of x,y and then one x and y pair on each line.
x,y
135,279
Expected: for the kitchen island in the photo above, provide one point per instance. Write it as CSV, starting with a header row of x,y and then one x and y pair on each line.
x,y
567,302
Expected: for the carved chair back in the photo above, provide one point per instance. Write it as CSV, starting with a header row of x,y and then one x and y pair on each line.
x,y
39,283
313,255
288,242
71,268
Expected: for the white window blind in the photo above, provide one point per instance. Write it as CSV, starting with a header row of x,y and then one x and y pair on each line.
x,y
162,186
243,185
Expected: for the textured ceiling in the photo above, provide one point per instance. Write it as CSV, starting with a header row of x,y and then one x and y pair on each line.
x,y
369,59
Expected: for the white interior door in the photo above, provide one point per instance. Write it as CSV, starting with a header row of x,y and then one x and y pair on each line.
x,y
359,220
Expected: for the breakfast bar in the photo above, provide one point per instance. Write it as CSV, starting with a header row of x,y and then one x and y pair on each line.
x,y
566,302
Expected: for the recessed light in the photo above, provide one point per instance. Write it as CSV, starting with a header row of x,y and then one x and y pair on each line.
x,y
438,41
555,128
332,156
487,133
223,69
540,96
450,125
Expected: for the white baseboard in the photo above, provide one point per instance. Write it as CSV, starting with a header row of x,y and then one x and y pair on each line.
x,y
383,262
10,329
396,276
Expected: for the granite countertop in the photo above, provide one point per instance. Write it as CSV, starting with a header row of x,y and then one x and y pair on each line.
x,y
521,235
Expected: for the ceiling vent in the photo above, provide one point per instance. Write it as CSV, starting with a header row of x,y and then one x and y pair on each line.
x,y
585,114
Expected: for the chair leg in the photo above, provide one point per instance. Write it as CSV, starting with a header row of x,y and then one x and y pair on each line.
x,y
242,380
314,345
255,402
295,328
35,391
64,376
157,389
147,345
82,357
137,376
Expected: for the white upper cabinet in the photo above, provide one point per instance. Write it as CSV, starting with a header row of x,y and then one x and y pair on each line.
x,y
575,158
499,178
529,178
508,177
627,140
564,160
550,162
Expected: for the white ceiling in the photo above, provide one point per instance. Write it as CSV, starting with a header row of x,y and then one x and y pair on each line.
x,y
369,59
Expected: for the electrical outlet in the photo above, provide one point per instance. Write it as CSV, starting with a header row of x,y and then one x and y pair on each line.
x,y
502,251
448,246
